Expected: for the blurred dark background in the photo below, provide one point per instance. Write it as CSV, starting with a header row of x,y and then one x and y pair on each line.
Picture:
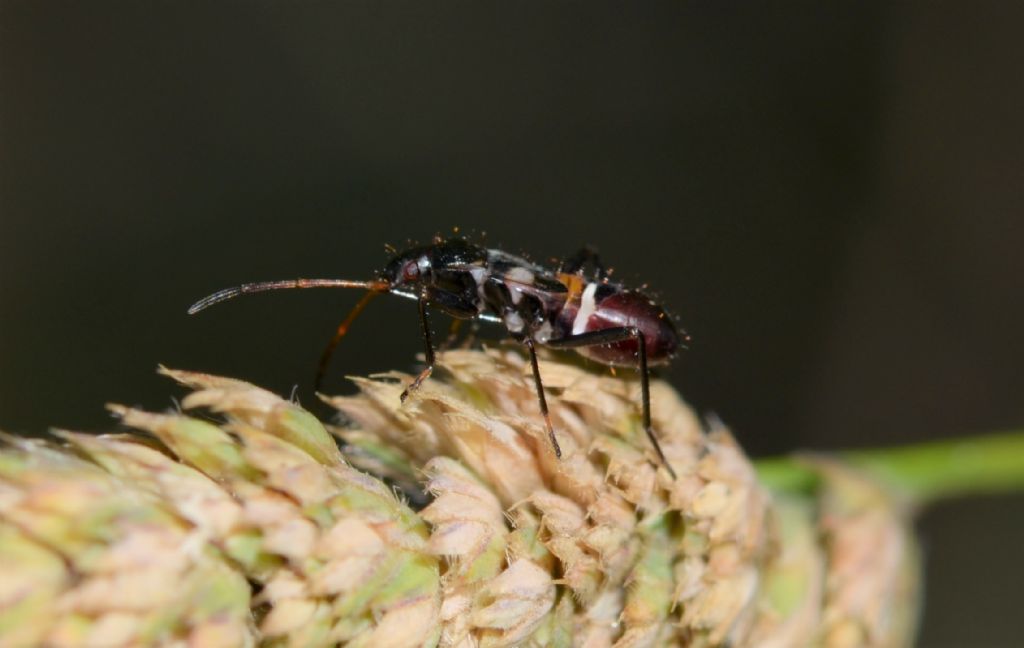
x,y
828,197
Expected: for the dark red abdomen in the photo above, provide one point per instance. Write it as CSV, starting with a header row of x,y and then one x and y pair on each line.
x,y
624,309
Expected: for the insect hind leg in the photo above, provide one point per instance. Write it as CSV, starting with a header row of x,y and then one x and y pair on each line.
x,y
611,336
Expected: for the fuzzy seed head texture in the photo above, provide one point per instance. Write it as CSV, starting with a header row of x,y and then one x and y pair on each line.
x,y
242,520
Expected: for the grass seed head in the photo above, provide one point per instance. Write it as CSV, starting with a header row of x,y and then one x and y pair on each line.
x,y
249,526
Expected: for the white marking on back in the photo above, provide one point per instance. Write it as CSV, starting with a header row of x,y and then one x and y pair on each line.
x,y
543,334
517,278
587,308
513,322
480,276
521,275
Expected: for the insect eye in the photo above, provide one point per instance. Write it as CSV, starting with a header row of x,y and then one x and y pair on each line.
x,y
410,271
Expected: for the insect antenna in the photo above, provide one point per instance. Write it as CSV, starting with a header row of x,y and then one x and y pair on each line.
x,y
325,357
263,286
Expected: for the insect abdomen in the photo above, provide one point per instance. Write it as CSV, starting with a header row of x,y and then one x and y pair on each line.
x,y
603,306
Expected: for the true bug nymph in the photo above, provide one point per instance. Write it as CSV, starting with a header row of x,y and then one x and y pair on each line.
x,y
560,309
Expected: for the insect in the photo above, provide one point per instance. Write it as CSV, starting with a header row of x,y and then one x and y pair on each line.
x,y
560,309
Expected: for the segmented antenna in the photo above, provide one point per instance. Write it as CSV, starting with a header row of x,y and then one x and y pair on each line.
x,y
263,286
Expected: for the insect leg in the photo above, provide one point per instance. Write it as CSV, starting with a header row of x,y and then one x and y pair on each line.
x,y
540,397
584,256
611,336
429,347
470,338
453,335
325,357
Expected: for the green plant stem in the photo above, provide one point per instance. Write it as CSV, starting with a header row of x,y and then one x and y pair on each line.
x,y
922,473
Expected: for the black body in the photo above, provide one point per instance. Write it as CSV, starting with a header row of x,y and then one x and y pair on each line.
x,y
561,309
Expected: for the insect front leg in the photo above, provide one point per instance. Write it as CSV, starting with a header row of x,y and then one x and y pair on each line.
x,y
328,351
429,352
456,329
612,336
453,335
